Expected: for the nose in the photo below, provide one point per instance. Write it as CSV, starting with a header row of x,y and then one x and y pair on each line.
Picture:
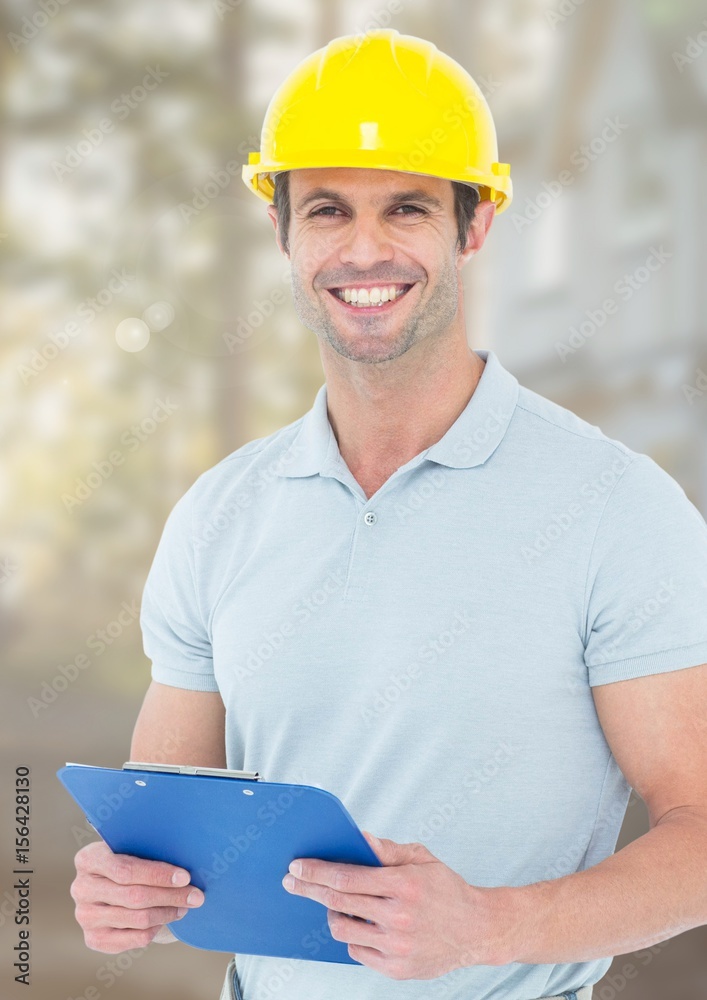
x,y
365,243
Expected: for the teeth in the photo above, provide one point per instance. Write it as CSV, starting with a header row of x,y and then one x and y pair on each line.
x,y
367,297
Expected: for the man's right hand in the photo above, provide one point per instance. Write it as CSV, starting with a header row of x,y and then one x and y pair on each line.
x,y
124,902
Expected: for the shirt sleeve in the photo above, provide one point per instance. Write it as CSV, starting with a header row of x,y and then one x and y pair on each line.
x,y
646,593
174,634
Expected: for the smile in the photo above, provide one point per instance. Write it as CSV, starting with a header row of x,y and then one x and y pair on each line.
x,y
379,298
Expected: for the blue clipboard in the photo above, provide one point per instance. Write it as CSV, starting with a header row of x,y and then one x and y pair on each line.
x,y
236,836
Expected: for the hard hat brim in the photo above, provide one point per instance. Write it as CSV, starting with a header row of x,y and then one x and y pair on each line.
x,y
498,188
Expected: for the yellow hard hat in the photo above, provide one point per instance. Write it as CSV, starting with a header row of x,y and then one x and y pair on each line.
x,y
381,100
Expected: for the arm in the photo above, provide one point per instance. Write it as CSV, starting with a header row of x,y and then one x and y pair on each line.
x,y
655,887
429,921
176,726
124,902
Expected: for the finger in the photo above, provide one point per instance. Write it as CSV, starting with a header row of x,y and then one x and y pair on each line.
x,y
372,958
94,915
350,878
114,941
353,931
97,889
373,908
128,870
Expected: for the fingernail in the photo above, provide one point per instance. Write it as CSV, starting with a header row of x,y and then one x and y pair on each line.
x,y
195,897
181,911
180,878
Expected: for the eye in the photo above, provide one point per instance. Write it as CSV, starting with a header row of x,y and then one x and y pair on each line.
x,y
326,208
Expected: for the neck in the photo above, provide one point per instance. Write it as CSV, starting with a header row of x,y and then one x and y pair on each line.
x,y
385,414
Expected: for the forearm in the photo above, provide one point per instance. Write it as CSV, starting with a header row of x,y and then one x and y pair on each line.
x,y
651,890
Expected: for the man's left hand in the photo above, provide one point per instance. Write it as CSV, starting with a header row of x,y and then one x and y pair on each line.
x,y
425,919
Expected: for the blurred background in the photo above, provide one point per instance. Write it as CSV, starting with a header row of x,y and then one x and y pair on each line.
x,y
145,335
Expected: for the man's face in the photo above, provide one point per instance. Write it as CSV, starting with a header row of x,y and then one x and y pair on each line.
x,y
354,228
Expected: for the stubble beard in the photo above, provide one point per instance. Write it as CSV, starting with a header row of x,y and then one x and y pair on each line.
x,y
436,317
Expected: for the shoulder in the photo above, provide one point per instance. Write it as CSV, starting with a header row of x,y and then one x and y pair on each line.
x,y
637,487
559,440
243,473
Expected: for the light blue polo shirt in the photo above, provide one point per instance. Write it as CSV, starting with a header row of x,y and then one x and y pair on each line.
x,y
427,654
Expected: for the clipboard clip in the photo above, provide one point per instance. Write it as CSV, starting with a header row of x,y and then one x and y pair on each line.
x,y
219,772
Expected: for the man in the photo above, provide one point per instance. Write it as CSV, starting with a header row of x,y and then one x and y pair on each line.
x,y
458,606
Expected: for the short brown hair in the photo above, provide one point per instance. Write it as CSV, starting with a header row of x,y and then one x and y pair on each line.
x,y
466,198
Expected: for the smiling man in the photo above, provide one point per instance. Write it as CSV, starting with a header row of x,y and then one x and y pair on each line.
x,y
376,274
458,606
377,319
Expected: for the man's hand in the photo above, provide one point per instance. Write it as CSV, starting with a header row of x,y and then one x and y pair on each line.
x,y
426,920
124,902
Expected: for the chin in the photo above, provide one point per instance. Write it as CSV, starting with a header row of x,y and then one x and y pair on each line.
x,y
370,353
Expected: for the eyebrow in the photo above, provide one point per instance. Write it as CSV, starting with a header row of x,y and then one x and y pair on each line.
x,y
415,194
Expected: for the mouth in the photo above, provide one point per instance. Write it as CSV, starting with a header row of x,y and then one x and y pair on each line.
x,y
381,298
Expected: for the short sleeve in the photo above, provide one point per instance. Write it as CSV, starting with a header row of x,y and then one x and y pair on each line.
x,y
173,631
646,592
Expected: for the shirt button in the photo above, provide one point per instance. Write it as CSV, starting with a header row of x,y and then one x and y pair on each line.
x,y
370,517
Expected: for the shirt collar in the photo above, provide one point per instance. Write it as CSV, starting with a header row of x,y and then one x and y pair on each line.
x,y
472,438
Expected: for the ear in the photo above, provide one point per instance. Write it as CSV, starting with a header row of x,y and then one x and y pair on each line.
x,y
478,229
272,212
